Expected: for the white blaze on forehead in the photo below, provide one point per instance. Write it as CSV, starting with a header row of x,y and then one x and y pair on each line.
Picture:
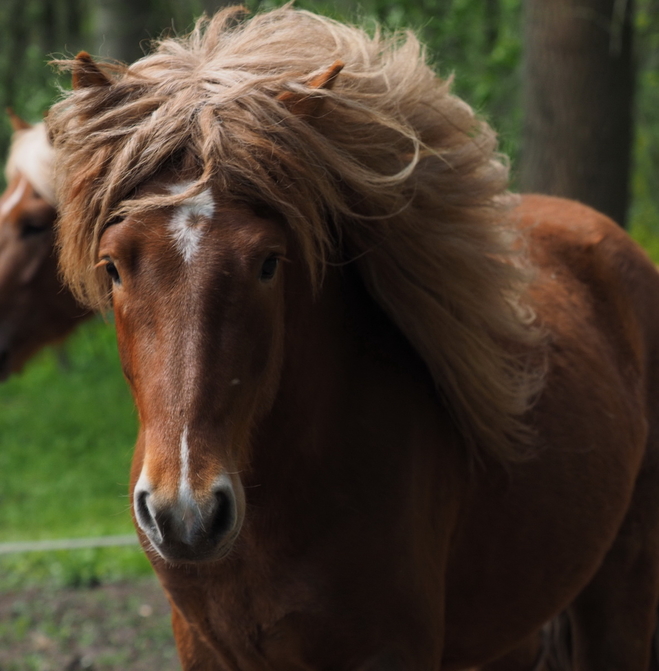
x,y
184,226
14,199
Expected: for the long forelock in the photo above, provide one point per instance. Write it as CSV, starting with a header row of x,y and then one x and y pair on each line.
x,y
395,172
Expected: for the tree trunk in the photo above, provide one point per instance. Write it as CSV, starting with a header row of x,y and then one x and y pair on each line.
x,y
16,48
121,26
578,98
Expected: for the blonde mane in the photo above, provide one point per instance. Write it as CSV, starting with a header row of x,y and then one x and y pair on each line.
x,y
394,173
31,155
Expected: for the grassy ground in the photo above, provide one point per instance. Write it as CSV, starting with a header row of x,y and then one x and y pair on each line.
x,y
121,626
67,428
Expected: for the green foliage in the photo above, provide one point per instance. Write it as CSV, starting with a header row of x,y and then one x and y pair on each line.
x,y
477,41
644,218
67,426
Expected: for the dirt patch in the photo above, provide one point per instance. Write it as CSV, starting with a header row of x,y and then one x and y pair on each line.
x,y
115,627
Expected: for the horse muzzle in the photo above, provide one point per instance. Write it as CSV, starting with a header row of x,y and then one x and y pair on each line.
x,y
189,527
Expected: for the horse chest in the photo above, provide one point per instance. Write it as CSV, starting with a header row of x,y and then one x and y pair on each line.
x,y
253,624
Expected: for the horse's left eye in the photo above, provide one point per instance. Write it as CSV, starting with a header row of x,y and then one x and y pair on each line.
x,y
269,268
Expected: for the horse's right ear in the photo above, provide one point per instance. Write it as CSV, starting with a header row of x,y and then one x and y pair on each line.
x,y
310,105
16,122
86,73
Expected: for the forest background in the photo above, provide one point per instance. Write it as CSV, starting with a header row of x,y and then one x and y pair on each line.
x,y
487,45
67,423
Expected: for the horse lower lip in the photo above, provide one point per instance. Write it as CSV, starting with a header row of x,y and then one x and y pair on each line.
x,y
180,553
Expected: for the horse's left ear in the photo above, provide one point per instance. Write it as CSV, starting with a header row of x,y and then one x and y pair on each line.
x,y
16,122
308,104
87,74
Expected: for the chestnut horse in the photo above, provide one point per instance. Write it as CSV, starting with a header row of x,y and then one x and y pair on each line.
x,y
36,309
391,417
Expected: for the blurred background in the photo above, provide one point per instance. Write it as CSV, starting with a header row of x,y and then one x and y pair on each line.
x,y
572,86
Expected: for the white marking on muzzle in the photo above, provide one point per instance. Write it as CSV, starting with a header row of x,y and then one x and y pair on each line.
x,y
188,506
184,225
184,488
14,199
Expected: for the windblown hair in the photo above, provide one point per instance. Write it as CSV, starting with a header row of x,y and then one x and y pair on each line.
x,y
31,155
393,173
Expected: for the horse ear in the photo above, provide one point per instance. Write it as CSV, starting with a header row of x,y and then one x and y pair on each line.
x,y
16,122
302,104
87,74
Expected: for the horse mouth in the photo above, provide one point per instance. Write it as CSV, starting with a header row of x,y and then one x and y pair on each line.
x,y
177,552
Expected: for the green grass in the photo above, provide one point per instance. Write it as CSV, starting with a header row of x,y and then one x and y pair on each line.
x,y
66,438
67,428
72,568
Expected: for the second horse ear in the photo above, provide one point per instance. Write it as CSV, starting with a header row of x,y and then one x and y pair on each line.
x,y
308,104
16,122
87,74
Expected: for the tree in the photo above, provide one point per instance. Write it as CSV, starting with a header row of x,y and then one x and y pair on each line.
x,y
121,26
578,98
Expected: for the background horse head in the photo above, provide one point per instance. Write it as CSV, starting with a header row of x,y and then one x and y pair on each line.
x,y
35,307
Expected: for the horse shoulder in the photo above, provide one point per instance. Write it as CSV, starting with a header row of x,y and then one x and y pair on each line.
x,y
593,281
595,292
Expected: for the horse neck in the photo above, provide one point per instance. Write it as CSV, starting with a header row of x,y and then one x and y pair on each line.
x,y
317,359
342,355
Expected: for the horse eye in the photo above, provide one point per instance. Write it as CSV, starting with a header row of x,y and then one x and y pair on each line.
x,y
269,268
30,225
30,230
112,271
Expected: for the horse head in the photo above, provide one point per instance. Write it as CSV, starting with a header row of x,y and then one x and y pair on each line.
x,y
35,309
165,205
197,294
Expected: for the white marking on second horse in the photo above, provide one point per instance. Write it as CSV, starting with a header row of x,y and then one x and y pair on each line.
x,y
14,199
185,224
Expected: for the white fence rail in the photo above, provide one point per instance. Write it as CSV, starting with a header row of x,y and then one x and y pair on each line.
x,y
68,544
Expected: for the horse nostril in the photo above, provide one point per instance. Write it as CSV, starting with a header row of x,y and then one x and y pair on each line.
x,y
224,515
185,527
143,513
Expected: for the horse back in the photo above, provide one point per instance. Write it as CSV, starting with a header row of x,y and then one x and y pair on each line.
x,y
533,534
595,286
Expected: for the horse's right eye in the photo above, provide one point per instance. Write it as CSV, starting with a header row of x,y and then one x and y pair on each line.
x,y
30,226
269,268
112,271
30,230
